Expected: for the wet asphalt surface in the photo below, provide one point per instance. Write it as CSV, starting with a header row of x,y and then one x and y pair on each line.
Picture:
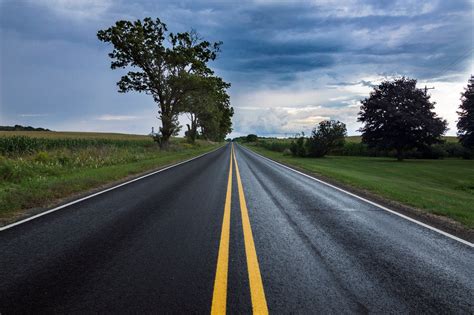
x,y
151,247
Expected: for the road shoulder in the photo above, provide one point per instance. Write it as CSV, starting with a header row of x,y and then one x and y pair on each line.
x,y
25,214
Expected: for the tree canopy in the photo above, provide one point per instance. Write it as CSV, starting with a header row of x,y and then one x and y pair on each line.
x,y
399,116
328,135
208,108
466,116
161,64
251,138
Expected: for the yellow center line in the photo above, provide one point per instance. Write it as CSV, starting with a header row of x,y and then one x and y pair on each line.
x,y
257,294
219,298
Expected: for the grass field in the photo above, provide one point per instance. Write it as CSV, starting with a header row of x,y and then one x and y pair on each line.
x,y
443,187
39,168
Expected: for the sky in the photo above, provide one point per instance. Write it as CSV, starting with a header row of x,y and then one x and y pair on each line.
x,y
291,64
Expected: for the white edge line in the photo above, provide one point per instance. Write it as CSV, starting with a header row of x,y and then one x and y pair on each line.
x,y
368,201
3,228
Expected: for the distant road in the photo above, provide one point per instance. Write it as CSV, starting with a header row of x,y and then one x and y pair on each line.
x,y
188,239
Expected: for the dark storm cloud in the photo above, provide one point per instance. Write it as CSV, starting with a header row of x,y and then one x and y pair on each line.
x,y
52,63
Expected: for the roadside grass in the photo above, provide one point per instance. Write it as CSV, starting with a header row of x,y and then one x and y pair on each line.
x,y
443,187
40,178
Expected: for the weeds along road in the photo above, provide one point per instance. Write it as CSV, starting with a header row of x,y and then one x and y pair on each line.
x,y
230,234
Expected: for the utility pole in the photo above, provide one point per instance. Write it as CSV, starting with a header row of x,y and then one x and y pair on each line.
x,y
428,88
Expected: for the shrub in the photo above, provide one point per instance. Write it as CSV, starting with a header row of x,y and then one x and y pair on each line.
x,y
468,154
277,146
433,152
453,149
328,135
298,147
251,138
42,157
353,149
287,152
6,169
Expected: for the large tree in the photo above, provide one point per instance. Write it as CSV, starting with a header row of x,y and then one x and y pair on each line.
x,y
160,64
208,109
216,122
399,116
466,116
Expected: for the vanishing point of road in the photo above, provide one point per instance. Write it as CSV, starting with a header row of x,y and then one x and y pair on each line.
x,y
231,232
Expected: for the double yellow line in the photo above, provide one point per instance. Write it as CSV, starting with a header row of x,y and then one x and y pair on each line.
x,y
257,294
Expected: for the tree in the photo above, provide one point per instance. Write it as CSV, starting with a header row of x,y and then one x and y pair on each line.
x,y
466,116
208,108
398,116
251,138
196,104
328,135
160,69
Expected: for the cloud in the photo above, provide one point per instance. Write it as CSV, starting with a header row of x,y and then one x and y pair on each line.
x,y
291,63
116,118
362,8
76,9
33,115
287,121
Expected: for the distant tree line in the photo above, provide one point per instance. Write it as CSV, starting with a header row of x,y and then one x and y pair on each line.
x,y
398,120
21,128
173,69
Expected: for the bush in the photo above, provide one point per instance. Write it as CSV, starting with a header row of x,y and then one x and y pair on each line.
x,y
277,146
6,169
251,138
433,152
302,147
287,152
42,157
453,149
353,149
327,136
298,147
468,154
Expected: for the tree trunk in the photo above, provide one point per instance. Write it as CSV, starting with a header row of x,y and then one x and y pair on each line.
x,y
191,134
192,130
399,154
166,132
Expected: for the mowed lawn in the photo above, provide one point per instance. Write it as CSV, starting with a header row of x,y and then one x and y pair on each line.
x,y
40,172
444,187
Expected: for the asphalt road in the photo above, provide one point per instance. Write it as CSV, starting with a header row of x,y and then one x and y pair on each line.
x,y
188,240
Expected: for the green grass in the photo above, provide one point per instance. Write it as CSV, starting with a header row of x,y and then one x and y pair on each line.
x,y
37,177
443,187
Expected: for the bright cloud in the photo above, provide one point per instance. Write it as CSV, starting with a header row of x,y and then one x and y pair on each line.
x,y
78,9
116,118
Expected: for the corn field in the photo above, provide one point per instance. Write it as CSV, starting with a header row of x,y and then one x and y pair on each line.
x,y
19,145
